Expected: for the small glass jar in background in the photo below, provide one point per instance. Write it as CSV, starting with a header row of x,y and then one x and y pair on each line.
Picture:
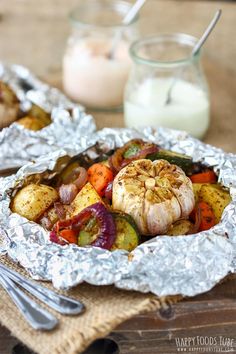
x,y
90,76
159,63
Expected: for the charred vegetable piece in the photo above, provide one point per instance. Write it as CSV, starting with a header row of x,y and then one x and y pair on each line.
x,y
69,235
78,177
89,233
9,105
133,150
75,181
33,200
67,193
204,177
7,95
99,175
217,198
49,218
183,161
68,172
108,191
127,235
203,217
180,227
40,114
207,216
86,197
36,119
196,189
95,220
31,123
105,162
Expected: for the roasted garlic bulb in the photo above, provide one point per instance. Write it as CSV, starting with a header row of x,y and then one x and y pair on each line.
x,y
155,194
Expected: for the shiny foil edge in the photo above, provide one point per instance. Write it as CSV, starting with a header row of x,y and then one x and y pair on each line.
x,y
186,265
69,120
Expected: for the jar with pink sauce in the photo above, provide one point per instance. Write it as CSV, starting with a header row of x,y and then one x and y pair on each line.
x,y
91,76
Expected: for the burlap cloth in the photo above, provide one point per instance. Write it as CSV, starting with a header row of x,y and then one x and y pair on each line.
x,y
106,308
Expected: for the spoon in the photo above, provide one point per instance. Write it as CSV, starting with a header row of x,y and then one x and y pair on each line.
x,y
35,315
126,21
196,49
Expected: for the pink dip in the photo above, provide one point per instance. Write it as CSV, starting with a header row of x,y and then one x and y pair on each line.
x,y
91,78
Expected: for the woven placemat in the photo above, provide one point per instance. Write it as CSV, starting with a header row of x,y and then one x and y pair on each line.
x,y
106,306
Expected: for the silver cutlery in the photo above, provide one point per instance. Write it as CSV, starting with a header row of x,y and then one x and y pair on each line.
x,y
196,49
129,17
60,303
35,315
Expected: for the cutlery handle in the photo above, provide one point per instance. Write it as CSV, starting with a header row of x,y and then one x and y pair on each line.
x,y
35,315
60,303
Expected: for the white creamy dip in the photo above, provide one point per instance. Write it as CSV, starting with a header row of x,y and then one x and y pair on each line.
x,y
188,109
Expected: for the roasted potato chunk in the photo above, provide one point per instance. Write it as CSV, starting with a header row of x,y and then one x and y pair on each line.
x,y
180,227
31,123
216,197
36,119
196,189
33,200
9,106
87,196
40,114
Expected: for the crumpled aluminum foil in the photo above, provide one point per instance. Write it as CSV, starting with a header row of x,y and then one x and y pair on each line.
x,y
186,265
69,121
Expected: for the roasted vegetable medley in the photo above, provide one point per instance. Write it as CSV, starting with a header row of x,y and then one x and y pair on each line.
x,y
34,119
124,197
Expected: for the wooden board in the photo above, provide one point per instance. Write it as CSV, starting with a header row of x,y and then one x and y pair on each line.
x,y
208,315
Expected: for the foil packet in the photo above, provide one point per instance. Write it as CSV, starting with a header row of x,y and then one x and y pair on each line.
x,y
186,265
69,121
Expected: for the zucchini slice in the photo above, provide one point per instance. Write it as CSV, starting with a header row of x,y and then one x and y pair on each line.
x,y
128,236
89,233
183,161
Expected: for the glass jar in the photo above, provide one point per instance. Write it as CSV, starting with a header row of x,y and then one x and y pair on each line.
x,y
167,86
90,76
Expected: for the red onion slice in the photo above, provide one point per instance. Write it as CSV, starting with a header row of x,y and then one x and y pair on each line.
x,y
117,160
67,193
82,178
142,154
78,176
106,225
60,210
46,223
195,217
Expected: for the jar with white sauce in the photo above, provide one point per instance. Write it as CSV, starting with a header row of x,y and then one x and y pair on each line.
x,y
164,67
90,75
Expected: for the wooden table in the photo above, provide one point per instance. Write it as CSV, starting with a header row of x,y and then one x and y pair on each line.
x,y
34,34
208,315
